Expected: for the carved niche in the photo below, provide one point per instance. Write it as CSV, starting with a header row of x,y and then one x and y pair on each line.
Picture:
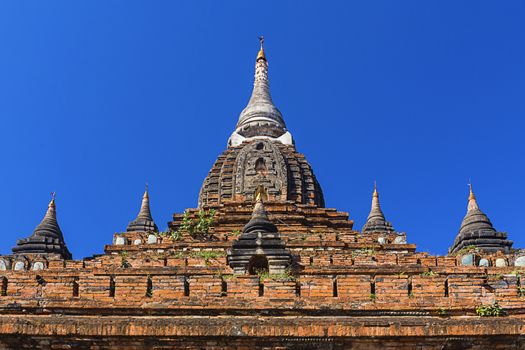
x,y
260,163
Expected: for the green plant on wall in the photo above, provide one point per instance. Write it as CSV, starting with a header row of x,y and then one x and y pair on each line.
x,y
200,225
236,232
264,275
175,235
494,310
207,255
467,249
442,311
123,259
428,273
363,252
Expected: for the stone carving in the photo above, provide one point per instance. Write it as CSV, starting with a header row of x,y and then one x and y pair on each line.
x,y
239,170
260,164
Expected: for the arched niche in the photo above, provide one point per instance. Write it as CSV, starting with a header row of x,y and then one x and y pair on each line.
x,y
258,264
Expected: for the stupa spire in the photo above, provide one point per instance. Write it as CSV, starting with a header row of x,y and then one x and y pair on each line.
x,y
259,247
472,203
47,238
476,230
145,212
144,221
259,217
376,221
261,50
260,118
51,213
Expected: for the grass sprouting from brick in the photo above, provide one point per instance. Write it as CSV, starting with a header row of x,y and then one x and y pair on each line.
x,y
493,310
123,260
363,252
428,273
283,276
467,249
207,255
199,225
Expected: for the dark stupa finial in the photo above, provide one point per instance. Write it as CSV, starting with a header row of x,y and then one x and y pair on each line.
x,y
259,247
144,221
260,219
47,238
376,221
476,230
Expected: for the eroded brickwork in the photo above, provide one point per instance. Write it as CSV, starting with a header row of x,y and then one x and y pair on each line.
x,y
342,288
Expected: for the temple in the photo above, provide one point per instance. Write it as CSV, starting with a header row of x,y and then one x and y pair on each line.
x,y
263,263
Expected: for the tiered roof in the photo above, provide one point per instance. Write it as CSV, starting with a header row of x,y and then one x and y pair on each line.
x,y
376,221
144,221
47,238
477,231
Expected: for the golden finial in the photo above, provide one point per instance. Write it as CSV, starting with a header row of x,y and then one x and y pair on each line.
x,y
375,189
53,195
260,194
146,195
261,50
472,204
471,194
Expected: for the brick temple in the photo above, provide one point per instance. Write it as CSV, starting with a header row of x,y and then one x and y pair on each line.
x,y
262,263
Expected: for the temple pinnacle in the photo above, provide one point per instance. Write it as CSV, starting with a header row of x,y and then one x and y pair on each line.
x,y
144,221
145,212
51,208
259,217
260,118
260,54
472,203
477,230
47,238
376,221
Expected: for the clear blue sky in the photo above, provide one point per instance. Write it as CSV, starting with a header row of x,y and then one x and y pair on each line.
x,y
98,97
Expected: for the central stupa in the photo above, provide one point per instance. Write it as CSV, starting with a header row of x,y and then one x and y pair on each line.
x,y
261,152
